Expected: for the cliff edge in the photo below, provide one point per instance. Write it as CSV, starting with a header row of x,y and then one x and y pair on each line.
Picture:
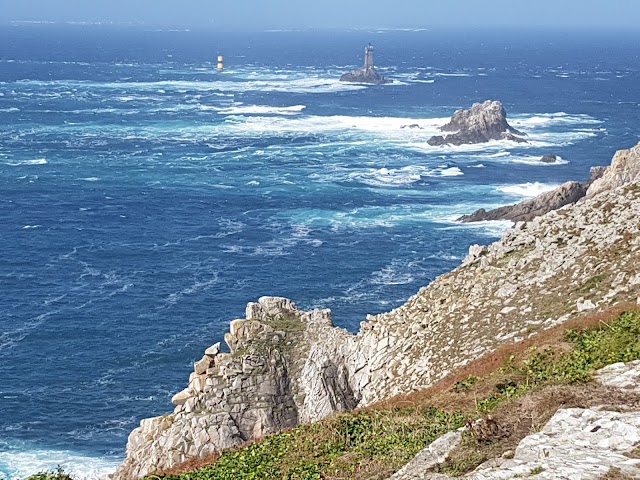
x,y
287,366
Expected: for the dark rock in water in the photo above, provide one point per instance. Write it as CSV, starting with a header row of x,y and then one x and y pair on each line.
x,y
549,158
481,123
413,125
364,75
565,194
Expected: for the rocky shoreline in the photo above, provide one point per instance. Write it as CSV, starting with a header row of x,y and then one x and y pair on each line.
x,y
625,168
286,366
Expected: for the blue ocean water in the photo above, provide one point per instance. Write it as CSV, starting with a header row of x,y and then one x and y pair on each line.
x,y
146,198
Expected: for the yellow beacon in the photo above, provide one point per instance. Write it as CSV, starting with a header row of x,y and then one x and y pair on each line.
x,y
220,63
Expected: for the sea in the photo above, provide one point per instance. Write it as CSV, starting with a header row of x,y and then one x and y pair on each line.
x,y
145,197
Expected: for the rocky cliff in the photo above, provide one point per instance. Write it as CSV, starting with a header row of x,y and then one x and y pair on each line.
x,y
481,123
287,366
624,169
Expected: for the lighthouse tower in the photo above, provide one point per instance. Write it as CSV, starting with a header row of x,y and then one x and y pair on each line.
x,y
368,57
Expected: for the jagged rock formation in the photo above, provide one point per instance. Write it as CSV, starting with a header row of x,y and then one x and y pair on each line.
x,y
565,194
288,366
575,443
481,123
625,168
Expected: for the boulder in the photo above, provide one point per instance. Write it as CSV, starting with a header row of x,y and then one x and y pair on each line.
x,y
481,123
549,158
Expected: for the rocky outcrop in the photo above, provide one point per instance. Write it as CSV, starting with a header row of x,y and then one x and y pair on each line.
x,y
275,376
625,168
287,366
585,443
565,194
549,158
365,75
481,123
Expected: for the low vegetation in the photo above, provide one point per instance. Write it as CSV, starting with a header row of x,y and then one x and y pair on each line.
x,y
514,391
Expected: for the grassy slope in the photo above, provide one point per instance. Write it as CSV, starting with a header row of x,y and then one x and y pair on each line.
x,y
521,386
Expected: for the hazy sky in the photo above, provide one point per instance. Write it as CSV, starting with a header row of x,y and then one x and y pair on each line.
x,y
266,14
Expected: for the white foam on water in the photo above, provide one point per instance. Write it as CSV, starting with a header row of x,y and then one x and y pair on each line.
x,y
398,272
390,177
453,74
31,227
90,179
539,120
530,160
396,129
20,464
37,161
491,228
295,82
262,110
451,172
9,110
527,190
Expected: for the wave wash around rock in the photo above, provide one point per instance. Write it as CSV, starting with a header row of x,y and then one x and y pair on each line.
x,y
288,366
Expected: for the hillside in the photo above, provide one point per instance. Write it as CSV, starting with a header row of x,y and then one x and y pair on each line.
x,y
287,367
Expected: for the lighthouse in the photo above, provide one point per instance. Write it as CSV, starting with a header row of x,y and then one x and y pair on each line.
x,y
368,57
366,74
220,63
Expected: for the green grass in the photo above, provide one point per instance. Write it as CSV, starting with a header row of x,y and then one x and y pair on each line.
x,y
373,443
57,474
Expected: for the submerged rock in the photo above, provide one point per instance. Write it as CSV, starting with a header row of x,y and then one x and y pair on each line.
x,y
481,123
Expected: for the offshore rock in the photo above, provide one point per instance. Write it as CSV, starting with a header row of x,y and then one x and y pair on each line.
x,y
364,75
549,158
565,194
481,123
288,366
